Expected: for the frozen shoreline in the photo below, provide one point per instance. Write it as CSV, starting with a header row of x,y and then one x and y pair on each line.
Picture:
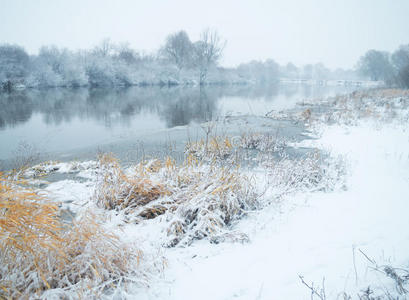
x,y
320,230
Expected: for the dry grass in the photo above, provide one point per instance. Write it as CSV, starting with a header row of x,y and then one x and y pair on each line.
x,y
213,148
38,256
391,93
27,226
386,105
116,190
196,199
225,150
208,199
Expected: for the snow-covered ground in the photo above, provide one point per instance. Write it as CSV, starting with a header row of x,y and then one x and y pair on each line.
x,y
336,233
315,235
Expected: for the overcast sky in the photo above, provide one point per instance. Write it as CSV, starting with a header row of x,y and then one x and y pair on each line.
x,y
335,32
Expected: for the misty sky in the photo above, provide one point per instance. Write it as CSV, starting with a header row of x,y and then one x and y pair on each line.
x,y
309,31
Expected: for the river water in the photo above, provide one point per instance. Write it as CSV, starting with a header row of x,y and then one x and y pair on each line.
x,y
65,123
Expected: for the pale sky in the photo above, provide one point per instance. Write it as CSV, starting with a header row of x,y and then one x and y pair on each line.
x,y
335,32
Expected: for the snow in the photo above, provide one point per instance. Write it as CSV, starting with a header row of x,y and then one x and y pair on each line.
x,y
316,234
326,235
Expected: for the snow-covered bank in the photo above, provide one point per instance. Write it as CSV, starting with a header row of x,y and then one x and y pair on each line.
x,y
324,237
335,216
315,235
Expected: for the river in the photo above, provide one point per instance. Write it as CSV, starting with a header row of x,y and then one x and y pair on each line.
x,y
63,123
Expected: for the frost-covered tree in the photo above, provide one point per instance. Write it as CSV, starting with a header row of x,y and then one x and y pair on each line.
x,y
308,71
272,70
100,71
291,71
400,61
259,71
125,54
376,65
207,52
320,71
104,48
400,58
403,77
14,63
58,67
178,49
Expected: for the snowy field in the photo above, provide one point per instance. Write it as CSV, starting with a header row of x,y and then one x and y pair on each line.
x,y
329,225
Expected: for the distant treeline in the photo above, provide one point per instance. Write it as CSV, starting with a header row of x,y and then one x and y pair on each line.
x,y
392,68
178,62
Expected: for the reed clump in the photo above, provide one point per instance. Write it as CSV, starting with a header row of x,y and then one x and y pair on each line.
x,y
196,199
41,256
117,190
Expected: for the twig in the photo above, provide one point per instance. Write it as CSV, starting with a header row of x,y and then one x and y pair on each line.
x,y
353,259
313,290
366,256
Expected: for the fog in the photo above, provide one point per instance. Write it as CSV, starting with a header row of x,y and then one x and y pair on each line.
x,y
333,32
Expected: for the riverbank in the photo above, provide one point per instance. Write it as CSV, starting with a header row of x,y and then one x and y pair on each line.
x,y
244,215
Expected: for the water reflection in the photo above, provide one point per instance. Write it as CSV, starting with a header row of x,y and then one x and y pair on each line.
x,y
62,119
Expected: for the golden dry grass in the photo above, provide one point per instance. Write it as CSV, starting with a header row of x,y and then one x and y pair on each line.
x,y
217,147
202,197
37,253
116,190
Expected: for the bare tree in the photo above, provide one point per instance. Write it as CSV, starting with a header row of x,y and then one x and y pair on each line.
x,y
104,48
207,52
178,49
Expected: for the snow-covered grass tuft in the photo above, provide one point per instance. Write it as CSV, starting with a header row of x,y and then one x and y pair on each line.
x,y
41,257
207,193
226,150
206,200
116,190
315,171
211,149
49,167
195,199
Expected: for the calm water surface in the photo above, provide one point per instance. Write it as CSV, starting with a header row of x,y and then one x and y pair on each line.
x,y
67,120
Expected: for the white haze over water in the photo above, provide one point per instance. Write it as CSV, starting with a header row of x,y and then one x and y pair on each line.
x,y
333,32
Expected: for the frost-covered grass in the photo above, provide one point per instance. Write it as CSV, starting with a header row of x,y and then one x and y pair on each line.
x,y
40,257
204,196
380,105
194,199
375,105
